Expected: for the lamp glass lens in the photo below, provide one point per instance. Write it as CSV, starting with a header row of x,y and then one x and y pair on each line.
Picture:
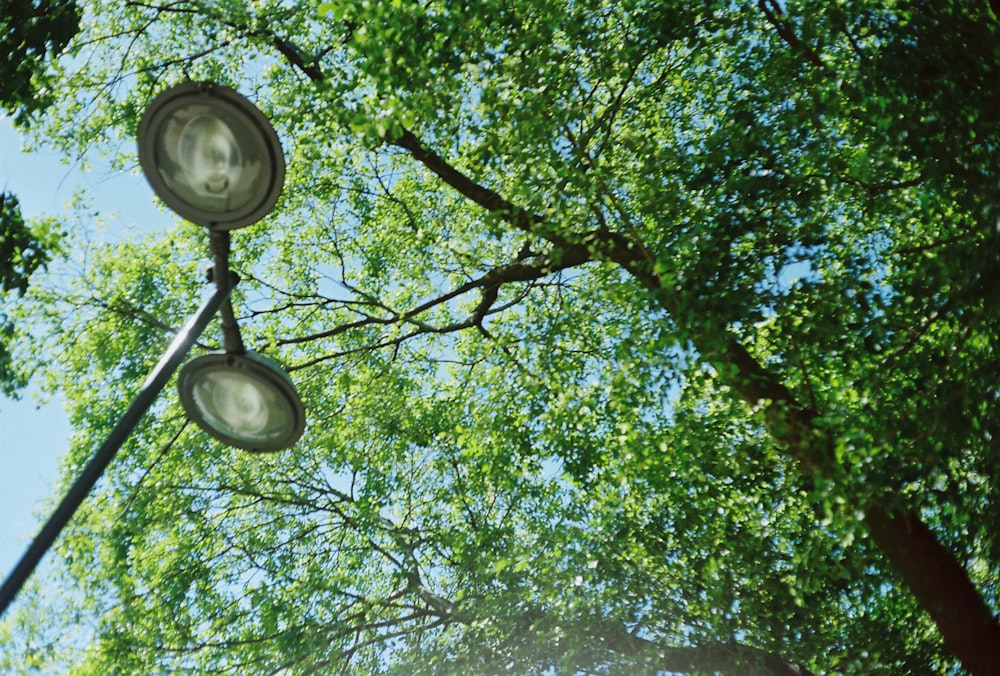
x,y
209,156
211,159
242,405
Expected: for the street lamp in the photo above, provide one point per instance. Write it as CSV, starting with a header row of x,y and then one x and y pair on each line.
x,y
212,157
95,467
244,400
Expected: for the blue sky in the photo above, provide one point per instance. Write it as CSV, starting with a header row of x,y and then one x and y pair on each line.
x,y
33,437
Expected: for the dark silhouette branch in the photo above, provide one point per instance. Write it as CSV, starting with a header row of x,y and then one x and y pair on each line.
x,y
775,16
730,657
488,284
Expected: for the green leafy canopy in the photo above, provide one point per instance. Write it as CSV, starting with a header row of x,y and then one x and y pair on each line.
x,y
31,33
634,338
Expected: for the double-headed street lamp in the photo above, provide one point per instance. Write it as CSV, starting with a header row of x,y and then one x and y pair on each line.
x,y
213,158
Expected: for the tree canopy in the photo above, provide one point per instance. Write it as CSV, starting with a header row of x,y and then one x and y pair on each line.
x,y
24,249
32,34
634,337
34,31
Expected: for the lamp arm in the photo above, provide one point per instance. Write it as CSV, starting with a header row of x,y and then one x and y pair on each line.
x,y
154,384
232,340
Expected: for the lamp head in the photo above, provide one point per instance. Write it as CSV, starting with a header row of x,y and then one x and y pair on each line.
x,y
211,155
245,400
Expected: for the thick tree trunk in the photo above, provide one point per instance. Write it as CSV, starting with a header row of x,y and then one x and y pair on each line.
x,y
936,579
941,586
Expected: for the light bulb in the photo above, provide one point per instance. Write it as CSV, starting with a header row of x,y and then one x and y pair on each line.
x,y
239,402
209,156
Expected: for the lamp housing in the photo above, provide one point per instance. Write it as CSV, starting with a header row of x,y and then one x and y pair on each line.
x,y
211,155
244,400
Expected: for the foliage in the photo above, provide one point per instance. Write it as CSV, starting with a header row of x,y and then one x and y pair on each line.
x,y
30,33
33,32
634,337
23,250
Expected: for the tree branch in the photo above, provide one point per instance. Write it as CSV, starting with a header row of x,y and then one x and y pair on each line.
x,y
774,13
518,271
484,197
941,585
730,657
962,616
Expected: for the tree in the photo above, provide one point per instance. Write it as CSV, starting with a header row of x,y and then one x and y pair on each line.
x,y
32,33
23,250
634,337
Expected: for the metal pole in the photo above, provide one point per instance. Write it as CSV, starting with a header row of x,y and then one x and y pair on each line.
x,y
154,384
232,341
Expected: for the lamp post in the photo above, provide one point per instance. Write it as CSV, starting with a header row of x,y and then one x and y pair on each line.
x,y
212,157
154,384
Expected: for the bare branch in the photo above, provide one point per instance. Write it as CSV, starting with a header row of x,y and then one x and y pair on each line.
x,y
518,271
